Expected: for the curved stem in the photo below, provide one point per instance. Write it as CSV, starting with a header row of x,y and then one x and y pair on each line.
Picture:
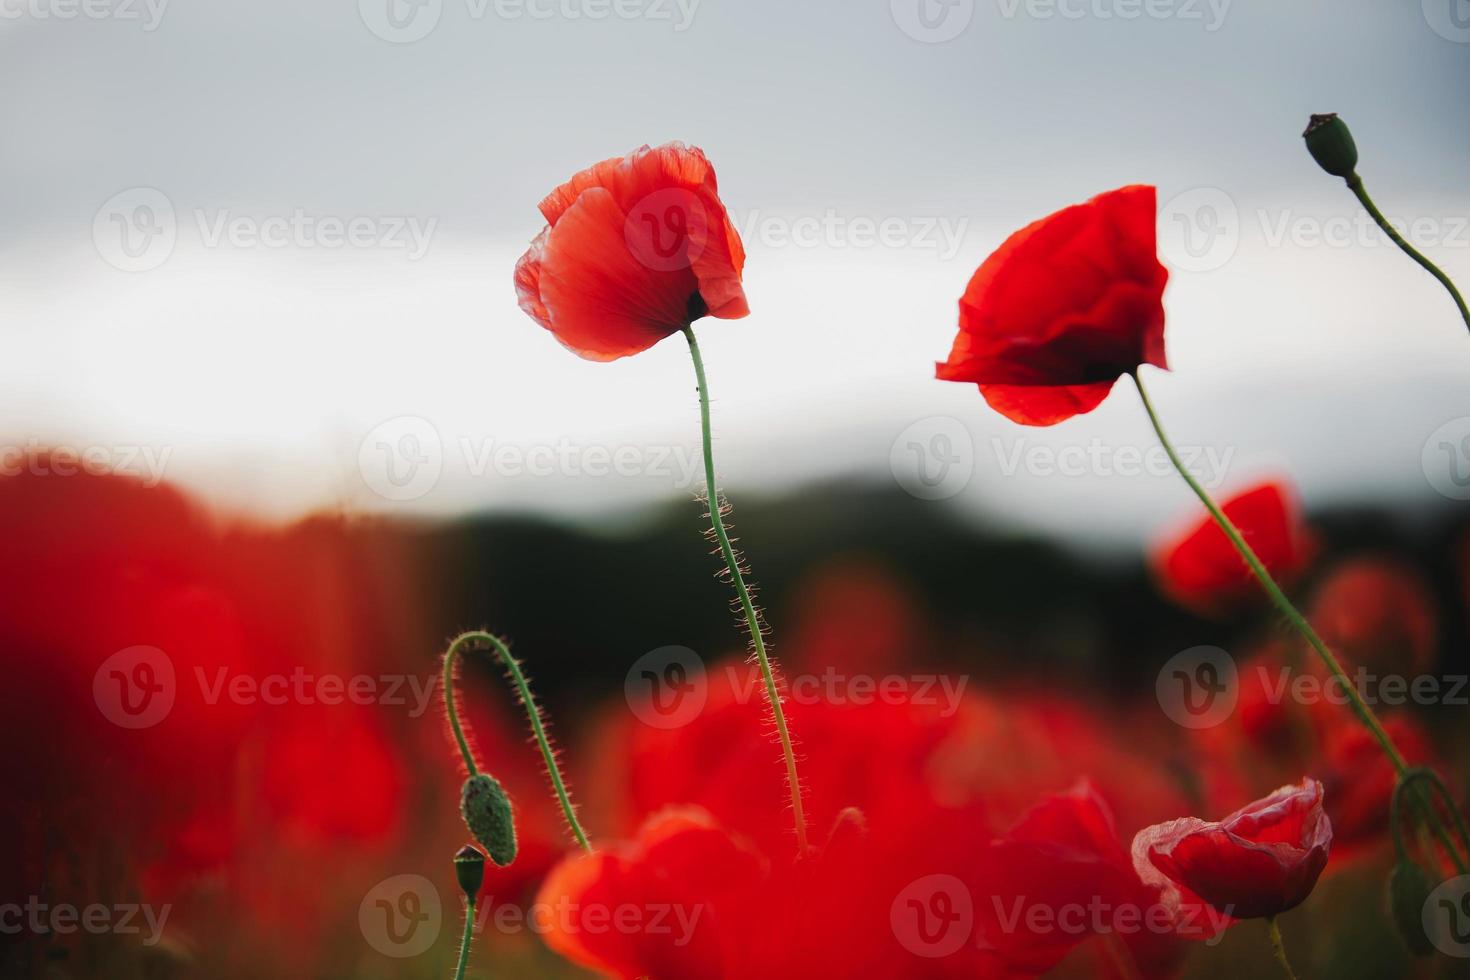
x,y
1279,948
533,711
1355,184
464,944
752,620
1284,606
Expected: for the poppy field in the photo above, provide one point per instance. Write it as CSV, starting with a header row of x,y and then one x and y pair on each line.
x,y
836,726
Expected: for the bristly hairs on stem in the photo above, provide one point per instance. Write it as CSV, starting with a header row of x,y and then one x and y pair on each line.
x,y
483,640
718,508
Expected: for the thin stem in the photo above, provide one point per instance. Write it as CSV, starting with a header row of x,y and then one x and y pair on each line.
x,y
1284,606
1279,948
533,711
752,620
1355,184
464,944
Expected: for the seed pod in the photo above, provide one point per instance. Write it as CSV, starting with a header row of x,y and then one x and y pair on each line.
x,y
1331,145
486,811
469,867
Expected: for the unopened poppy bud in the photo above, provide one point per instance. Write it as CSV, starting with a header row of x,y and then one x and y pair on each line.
x,y
1408,892
486,811
1331,144
469,867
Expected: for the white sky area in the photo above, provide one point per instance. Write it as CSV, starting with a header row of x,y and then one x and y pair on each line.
x,y
275,377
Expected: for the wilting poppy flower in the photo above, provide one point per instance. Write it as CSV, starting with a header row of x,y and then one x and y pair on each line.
x,y
1063,309
1260,861
635,248
1201,569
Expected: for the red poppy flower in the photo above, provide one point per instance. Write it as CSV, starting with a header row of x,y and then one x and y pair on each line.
x,y
1360,779
1063,309
1377,614
1260,861
1201,569
635,248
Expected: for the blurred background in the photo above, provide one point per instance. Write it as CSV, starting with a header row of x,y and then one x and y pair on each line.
x,y
268,407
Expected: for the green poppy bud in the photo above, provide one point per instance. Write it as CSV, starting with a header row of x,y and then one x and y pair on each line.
x,y
486,811
1408,890
1331,144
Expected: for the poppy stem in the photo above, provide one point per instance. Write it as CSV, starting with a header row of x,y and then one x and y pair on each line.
x,y
1298,621
1355,184
1279,948
752,618
479,639
464,944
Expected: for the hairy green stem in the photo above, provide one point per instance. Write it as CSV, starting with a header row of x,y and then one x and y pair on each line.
x,y
1284,606
1355,184
483,640
1279,948
752,620
464,944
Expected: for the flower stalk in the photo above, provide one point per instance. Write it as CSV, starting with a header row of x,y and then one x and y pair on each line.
x,y
752,618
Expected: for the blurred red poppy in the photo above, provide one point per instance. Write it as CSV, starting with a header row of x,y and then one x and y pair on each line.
x,y
1202,571
1258,862
1063,309
635,248
1359,779
1377,614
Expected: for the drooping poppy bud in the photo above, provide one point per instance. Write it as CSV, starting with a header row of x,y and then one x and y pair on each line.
x,y
486,811
469,868
1331,144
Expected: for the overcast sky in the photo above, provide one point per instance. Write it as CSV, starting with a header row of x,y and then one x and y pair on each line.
x,y
265,249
